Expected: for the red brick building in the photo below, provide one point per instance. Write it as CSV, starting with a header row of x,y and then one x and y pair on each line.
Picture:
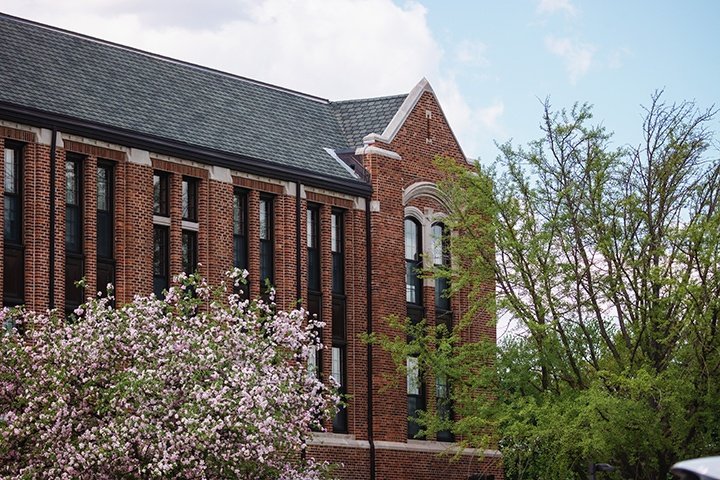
x,y
125,167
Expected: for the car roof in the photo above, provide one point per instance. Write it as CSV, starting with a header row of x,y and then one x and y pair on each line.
x,y
707,468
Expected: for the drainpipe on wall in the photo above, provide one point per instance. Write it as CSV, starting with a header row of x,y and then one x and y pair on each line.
x,y
368,267
51,260
298,259
298,245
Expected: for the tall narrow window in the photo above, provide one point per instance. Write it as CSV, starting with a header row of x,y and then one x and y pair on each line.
x,y
73,232
339,314
312,239
337,239
161,233
314,307
441,260
313,248
105,257
161,260
413,297
13,258
240,234
189,251
413,249
443,316
444,406
189,199
161,196
189,233
266,241
339,358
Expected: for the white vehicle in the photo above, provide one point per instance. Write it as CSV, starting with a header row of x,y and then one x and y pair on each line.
x,y
707,468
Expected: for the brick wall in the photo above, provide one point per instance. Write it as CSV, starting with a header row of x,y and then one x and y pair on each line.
x,y
420,139
424,135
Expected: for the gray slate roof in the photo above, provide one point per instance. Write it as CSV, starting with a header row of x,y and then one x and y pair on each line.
x,y
370,115
58,72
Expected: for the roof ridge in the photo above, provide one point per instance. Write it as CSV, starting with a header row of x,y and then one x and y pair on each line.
x,y
369,99
165,58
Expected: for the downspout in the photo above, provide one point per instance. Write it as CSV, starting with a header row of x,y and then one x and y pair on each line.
x,y
298,259
51,260
368,273
298,244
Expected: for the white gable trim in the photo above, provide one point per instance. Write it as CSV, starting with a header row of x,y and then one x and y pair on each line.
x,y
403,113
369,149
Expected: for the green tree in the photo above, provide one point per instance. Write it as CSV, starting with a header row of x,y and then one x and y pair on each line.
x,y
607,262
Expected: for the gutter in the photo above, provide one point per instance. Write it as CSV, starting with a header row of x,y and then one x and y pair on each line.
x,y
178,149
368,273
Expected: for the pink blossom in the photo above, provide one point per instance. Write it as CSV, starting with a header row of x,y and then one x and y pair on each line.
x,y
191,387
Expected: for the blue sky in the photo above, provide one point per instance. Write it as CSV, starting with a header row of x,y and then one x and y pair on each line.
x,y
490,62
612,54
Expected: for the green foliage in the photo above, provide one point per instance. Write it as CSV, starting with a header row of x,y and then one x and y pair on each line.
x,y
606,262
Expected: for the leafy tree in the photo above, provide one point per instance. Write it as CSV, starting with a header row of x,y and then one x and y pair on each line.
x,y
195,386
607,262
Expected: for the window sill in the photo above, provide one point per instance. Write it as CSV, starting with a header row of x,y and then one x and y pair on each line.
x,y
192,226
161,220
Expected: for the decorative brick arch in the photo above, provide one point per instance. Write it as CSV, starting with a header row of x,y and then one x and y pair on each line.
x,y
425,189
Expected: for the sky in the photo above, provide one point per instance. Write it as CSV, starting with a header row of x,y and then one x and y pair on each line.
x,y
491,63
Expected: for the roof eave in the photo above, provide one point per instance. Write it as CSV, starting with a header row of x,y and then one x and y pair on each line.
x,y
129,138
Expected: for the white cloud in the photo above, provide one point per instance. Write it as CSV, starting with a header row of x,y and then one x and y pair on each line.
x,y
472,53
475,125
337,50
552,6
616,58
346,48
578,57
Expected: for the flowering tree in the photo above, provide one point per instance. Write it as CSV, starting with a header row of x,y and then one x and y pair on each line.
x,y
198,385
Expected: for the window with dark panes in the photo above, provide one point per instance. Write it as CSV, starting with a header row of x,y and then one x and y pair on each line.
x,y
161,194
240,234
161,260
339,314
337,241
240,229
13,255
266,241
189,251
339,358
443,316
441,260
189,199
314,303
313,248
413,250
161,233
314,307
105,227
415,312
74,268
415,394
